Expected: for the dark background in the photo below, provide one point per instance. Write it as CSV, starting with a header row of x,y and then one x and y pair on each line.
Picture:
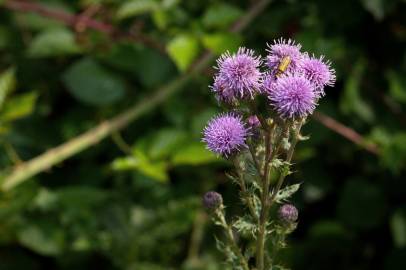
x,y
132,201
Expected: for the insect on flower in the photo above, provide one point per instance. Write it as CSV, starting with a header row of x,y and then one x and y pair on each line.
x,y
283,66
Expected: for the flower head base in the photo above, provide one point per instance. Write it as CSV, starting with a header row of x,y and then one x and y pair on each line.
x,y
292,95
238,75
225,134
318,72
212,200
281,49
288,213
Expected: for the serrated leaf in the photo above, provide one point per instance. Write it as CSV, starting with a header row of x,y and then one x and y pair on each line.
x,y
221,42
53,42
136,7
90,83
7,84
246,226
285,193
183,50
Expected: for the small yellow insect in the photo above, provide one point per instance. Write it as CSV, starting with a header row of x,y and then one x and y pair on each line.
x,y
283,65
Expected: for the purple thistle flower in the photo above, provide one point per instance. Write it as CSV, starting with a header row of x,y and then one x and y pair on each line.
x,y
282,48
223,93
292,95
238,75
225,134
319,72
268,80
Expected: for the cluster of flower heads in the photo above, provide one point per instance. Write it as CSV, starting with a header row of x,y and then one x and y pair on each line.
x,y
293,81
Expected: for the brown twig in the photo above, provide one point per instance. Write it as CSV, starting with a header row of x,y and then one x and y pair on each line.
x,y
346,132
56,155
86,22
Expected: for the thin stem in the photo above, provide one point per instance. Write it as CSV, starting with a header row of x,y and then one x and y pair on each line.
x,y
254,158
245,194
230,237
289,156
264,201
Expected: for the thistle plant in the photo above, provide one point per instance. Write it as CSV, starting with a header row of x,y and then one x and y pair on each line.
x,y
267,101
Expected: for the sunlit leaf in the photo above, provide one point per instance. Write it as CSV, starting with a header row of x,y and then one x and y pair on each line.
x,y
221,15
221,42
193,154
183,49
136,7
53,42
18,106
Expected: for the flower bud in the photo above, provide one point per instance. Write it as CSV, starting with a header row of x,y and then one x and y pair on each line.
x,y
288,213
212,200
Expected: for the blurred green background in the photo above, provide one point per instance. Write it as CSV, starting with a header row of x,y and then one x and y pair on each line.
x,y
132,201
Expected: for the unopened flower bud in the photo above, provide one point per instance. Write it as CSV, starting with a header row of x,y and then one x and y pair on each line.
x,y
212,200
288,213
253,121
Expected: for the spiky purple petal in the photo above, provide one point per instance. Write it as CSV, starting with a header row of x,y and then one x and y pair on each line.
x,y
318,72
238,75
282,48
292,95
225,134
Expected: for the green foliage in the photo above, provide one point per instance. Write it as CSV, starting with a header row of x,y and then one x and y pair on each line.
x,y
112,207
90,83
183,49
53,42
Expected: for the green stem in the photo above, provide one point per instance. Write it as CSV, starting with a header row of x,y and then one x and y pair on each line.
x,y
245,194
289,156
230,237
264,201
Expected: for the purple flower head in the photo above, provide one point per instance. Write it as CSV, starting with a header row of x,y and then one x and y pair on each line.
x,y
212,200
282,48
238,75
223,93
225,134
288,213
319,72
292,95
267,82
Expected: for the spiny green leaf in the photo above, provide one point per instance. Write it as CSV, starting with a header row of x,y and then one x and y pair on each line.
x,y
285,193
